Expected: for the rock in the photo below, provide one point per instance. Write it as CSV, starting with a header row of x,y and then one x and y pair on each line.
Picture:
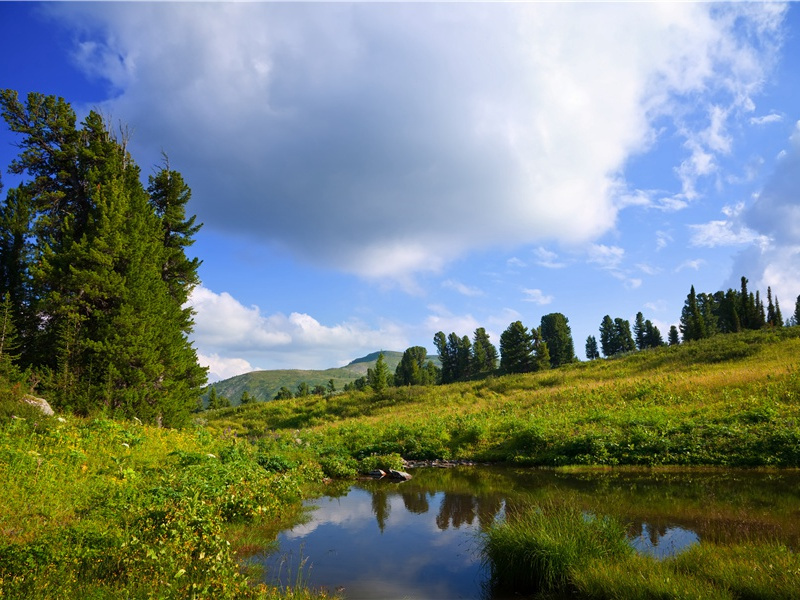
x,y
399,475
39,403
377,473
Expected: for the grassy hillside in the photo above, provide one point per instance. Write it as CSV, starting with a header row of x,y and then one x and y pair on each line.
x,y
731,399
263,385
94,508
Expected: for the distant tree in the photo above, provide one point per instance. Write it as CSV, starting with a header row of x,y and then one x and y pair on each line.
x,y
674,338
484,353
303,390
246,398
331,387
541,351
652,336
378,378
692,324
625,342
462,346
447,357
592,352
516,349
284,394
778,315
213,400
413,368
638,331
318,390
796,315
556,333
608,337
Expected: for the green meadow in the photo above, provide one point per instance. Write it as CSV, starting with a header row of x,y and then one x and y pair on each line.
x,y
98,508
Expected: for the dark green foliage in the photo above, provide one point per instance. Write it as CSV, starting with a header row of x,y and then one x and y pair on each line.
x,y
592,352
454,356
556,333
484,353
284,394
415,368
87,264
378,378
796,315
693,325
516,349
616,337
674,338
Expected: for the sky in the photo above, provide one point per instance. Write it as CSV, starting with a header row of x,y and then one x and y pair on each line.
x,y
371,173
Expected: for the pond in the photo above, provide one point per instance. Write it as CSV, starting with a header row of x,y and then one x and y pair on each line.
x,y
419,539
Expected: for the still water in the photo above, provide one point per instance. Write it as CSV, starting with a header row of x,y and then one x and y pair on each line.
x,y
420,538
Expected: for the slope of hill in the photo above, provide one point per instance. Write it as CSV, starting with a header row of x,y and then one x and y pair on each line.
x,y
263,385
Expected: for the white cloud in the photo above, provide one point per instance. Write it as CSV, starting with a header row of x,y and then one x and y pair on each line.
x,y
766,119
722,233
537,297
230,336
774,257
663,239
388,139
694,264
223,368
548,259
606,257
461,288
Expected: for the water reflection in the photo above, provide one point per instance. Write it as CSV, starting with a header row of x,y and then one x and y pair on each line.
x,y
417,539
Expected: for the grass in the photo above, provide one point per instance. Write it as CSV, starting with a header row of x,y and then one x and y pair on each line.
x,y
732,400
94,508
559,548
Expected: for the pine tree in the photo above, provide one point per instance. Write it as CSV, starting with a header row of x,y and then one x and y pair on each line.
x,y
625,341
692,324
796,315
638,331
9,342
674,338
378,378
592,352
652,336
101,314
484,353
411,370
516,349
608,337
542,359
556,333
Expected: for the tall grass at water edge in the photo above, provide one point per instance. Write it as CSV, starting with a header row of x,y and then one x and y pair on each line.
x,y
559,549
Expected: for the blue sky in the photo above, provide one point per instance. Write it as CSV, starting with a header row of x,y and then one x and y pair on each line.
x,y
369,174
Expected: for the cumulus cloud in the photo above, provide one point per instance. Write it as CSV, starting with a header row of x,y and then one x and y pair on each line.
x,y
461,288
388,139
774,259
232,338
725,232
537,297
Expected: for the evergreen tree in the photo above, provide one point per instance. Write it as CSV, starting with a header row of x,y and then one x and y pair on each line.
x,y
284,394
516,349
9,343
638,331
246,398
331,387
303,390
674,338
692,325
556,333
448,357
484,353
213,399
608,337
592,352
85,255
652,336
378,378
796,315
625,343
541,352
778,315
412,368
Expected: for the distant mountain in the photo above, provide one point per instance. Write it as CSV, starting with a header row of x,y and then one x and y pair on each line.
x,y
263,385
